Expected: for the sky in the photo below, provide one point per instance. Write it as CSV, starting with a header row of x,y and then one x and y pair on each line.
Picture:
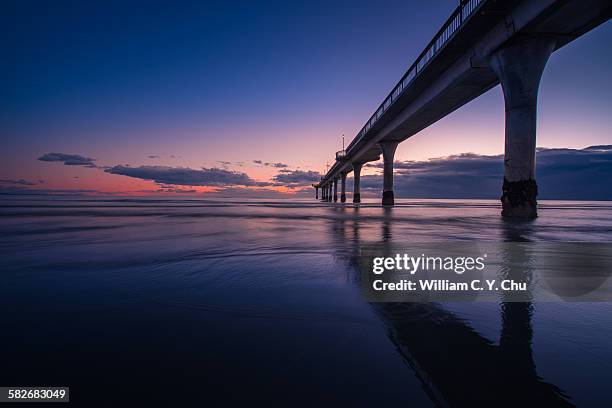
x,y
137,97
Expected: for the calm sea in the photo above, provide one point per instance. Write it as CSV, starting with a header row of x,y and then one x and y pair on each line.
x,y
191,302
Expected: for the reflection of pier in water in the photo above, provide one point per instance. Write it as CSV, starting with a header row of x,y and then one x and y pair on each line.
x,y
457,365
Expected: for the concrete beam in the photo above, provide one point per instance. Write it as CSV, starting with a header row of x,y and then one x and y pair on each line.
x,y
519,66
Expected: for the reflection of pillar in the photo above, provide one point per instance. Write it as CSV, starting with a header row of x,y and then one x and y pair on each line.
x,y
519,67
356,182
388,151
335,190
386,224
343,188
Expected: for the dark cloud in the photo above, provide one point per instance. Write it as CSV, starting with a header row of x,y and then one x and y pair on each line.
x,y
230,163
20,182
184,176
269,164
277,165
570,174
69,159
154,156
176,190
296,177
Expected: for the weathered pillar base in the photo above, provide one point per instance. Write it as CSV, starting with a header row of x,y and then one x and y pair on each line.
x,y
519,199
356,198
388,198
343,198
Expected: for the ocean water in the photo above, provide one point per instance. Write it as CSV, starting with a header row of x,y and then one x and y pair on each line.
x,y
193,302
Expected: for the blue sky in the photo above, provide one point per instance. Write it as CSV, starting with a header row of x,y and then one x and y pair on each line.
x,y
198,83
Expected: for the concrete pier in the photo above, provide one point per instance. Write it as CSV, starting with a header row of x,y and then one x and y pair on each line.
x,y
343,188
519,66
316,192
335,190
388,151
330,193
482,44
356,182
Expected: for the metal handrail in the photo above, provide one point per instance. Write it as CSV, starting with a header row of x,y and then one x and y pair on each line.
x,y
449,28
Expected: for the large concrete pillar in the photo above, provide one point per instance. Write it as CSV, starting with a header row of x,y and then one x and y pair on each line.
x,y
335,190
356,182
324,192
519,66
316,193
343,188
388,151
329,191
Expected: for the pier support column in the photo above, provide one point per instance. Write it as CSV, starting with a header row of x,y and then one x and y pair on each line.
x,y
356,182
343,188
388,151
519,66
324,192
316,193
335,190
329,192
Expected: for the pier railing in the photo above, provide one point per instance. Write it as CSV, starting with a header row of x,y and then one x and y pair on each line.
x,y
450,27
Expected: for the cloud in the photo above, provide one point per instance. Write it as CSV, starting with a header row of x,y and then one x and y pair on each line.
x,y
154,156
68,159
20,182
269,164
226,164
176,190
296,177
277,165
32,191
184,176
571,174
